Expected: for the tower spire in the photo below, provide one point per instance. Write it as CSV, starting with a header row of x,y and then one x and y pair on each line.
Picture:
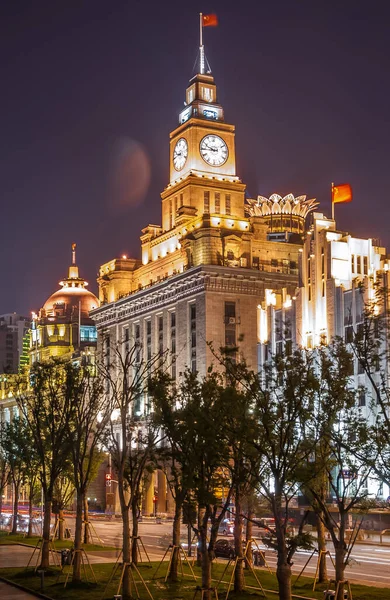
x,y
201,46
73,272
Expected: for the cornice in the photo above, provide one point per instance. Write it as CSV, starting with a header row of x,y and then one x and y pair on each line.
x,y
193,281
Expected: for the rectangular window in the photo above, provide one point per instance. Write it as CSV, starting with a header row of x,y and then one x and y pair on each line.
x,y
230,312
353,263
181,199
193,337
217,200
174,216
348,334
359,265
230,336
149,342
206,202
173,344
228,206
365,265
88,333
193,312
160,324
137,340
362,398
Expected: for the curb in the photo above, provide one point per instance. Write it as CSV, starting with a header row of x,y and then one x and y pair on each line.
x,y
20,587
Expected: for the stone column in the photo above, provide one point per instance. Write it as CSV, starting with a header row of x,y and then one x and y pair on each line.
x,y
162,492
149,494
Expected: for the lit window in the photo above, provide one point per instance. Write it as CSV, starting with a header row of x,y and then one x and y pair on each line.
x,y
88,333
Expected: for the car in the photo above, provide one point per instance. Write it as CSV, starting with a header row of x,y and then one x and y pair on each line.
x,y
226,527
225,548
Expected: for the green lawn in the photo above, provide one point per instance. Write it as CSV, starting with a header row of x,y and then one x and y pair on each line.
x,y
7,539
165,591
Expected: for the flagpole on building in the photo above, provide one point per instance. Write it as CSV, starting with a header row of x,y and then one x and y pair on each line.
x,y
201,47
332,200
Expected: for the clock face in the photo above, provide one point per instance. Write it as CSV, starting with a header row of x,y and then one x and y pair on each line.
x,y
214,150
180,154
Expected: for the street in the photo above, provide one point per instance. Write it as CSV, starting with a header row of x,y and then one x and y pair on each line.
x,y
370,564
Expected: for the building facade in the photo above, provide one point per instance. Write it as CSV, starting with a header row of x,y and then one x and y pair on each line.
x,y
338,277
209,264
13,330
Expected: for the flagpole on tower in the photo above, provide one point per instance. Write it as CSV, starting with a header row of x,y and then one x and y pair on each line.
x,y
201,47
332,200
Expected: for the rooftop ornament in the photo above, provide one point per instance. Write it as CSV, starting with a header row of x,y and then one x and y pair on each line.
x,y
276,205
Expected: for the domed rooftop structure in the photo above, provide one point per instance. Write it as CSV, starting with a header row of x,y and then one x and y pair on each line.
x,y
73,297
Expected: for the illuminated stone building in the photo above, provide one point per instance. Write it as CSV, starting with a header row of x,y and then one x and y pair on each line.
x,y
209,264
63,326
338,274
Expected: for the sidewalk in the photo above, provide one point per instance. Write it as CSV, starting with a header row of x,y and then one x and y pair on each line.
x,y
9,592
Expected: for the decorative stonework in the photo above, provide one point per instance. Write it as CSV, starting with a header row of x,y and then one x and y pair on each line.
x,y
276,205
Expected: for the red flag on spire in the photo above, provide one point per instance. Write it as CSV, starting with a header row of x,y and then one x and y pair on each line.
x,y
209,20
341,193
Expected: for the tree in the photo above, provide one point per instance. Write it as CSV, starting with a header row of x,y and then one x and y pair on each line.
x,y
172,457
281,398
131,436
192,418
342,436
90,414
369,343
47,407
14,454
63,495
242,459
4,469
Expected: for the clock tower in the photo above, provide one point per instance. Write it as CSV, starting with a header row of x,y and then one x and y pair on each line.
x,y
202,160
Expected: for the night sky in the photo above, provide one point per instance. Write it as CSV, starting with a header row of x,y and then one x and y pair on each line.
x,y
91,89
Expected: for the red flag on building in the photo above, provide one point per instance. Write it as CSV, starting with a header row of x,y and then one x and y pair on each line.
x,y
341,193
209,20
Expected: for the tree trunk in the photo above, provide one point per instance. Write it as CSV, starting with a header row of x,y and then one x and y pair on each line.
x,y
322,570
239,581
15,509
248,537
206,564
283,574
175,542
200,548
77,538
134,532
87,536
340,567
45,558
30,509
61,524
126,582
